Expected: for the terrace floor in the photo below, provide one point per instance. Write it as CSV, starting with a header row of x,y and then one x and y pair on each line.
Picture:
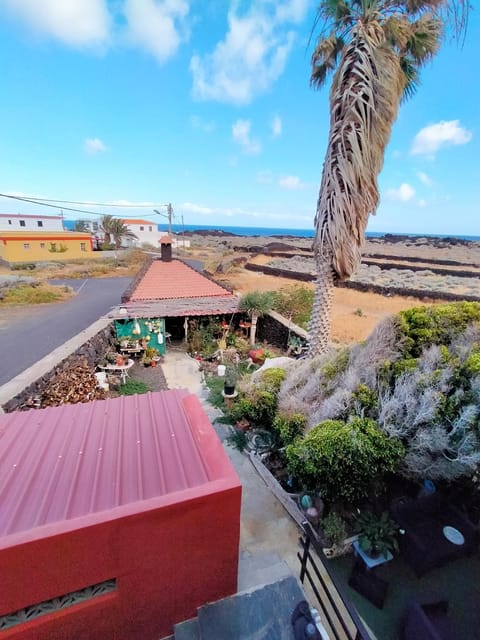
x,y
458,582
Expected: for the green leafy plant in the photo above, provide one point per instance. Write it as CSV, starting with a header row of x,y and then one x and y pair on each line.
x,y
237,439
344,461
334,528
133,387
378,534
289,426
295,302
272,379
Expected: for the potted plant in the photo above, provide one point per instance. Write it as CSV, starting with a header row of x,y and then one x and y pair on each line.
x,y
378,534
230,380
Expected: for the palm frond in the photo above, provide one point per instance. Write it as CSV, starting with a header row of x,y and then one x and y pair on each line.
x,y
325,58
425,39
412,78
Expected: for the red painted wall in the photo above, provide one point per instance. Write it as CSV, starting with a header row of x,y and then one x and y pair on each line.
x,y
179,552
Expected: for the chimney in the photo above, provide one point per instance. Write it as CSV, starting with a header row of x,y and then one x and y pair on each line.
x,y
166,247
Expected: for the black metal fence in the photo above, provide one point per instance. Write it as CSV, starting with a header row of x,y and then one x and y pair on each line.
x,y
351,627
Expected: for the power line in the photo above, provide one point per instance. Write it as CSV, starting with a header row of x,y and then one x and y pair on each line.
x,y
94,204
44,203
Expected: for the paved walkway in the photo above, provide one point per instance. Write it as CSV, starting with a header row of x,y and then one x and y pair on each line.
x,y
268,536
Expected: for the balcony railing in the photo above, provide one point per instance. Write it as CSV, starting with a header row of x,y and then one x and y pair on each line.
x,y
336,609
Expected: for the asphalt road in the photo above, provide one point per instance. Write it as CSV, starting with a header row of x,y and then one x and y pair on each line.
x,y
27,335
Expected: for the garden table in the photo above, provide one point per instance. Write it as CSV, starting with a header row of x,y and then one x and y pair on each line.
x,y
122,369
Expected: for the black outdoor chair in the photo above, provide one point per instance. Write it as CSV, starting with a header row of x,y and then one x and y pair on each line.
x,y
428,622
368,584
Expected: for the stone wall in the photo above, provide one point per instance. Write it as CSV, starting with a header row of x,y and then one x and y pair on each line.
x,y
93,351
276,330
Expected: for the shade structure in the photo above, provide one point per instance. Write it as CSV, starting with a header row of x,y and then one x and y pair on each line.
x,y
125,511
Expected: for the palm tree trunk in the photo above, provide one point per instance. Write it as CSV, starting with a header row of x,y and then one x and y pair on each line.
x,y
321,320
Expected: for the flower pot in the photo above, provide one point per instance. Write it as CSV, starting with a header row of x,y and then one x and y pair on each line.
x,y
243,424
153,363
120,361
228,389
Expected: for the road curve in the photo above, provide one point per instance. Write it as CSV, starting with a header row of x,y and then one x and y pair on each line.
x,y
25,338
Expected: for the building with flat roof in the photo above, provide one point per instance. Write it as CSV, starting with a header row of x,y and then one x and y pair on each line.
x,y
21,222
42,246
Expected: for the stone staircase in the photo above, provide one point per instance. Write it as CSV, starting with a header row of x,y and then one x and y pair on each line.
x,y
261,613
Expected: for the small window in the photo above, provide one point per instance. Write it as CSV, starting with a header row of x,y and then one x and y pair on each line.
x,y
95,226
150,228
42,245
142,228
9,222
39,223
53,246
22,223
83,246
26,245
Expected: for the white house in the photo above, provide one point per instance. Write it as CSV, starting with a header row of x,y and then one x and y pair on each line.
x,y
146,232
18,222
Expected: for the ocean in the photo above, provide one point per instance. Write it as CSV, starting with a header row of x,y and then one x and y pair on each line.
x,y
269,231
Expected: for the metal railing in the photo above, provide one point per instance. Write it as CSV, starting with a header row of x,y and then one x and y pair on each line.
x,y
352,629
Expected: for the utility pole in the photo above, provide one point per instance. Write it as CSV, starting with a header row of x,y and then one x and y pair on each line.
x,y
168,215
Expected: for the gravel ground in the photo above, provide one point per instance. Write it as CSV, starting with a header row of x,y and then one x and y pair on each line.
x,y
392,278
153,376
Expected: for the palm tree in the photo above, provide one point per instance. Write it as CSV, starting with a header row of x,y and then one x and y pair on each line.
x,y
376,48
119,231
81,226
256,304
106,226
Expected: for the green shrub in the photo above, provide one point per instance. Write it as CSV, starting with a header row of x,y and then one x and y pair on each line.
x,y
272,379
344,461
258,408
237,439
289,426
365,401
133,387
334,528
422,327
295,302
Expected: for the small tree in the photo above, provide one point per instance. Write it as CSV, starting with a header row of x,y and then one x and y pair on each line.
x,y
256,304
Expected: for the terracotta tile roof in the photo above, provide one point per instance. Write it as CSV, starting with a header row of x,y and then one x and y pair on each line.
x,y
175,280
178,308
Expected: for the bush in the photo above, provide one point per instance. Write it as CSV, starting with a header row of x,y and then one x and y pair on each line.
x,y
295,302
272,379
259,409
334,528
344,461
133,387
289,426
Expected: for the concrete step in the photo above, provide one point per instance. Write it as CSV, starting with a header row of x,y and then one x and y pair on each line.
x,y
188,630
259,614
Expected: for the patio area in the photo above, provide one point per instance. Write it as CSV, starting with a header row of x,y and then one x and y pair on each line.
x,y
457,582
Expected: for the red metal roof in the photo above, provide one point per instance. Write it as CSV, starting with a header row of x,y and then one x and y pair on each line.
x,y
175,280
61,463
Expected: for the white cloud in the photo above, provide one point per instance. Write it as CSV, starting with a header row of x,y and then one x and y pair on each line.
x,y
276,126
94,145
191,207
156,25
252,55
78,23
437,136
291,182
204,125
241,135
404,193
424,179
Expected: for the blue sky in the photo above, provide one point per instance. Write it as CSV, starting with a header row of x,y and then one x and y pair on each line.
x,y
207,105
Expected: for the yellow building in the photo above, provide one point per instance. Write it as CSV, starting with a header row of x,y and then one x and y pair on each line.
x,y
42,246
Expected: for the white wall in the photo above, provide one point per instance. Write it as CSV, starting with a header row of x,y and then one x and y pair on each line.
x,y
15,222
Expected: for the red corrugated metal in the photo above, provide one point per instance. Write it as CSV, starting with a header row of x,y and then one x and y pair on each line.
x,y
64,462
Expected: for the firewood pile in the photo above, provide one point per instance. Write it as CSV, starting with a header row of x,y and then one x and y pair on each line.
x,y
74,382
